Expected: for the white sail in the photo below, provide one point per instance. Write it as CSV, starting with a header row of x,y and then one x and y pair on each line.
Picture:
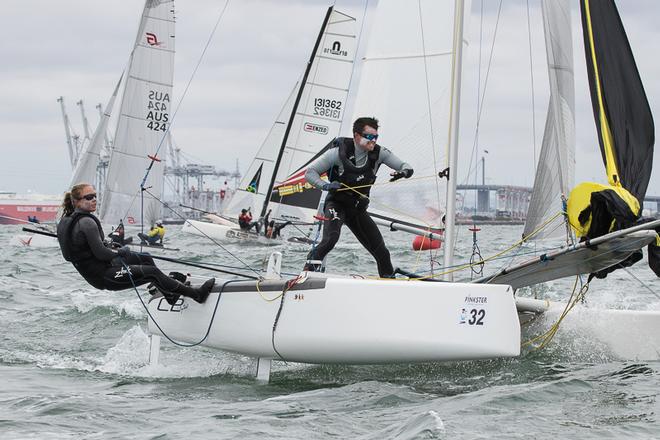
x,y
86,169
406,84
143,120
319,112
556,165
252,189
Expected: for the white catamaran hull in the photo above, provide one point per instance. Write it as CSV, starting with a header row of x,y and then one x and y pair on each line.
x,y
621,334
224,232
345,320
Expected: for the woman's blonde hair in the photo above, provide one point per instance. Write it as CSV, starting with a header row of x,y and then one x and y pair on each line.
x,y
69,196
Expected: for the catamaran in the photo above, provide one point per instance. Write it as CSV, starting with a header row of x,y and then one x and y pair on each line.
x,y
324,318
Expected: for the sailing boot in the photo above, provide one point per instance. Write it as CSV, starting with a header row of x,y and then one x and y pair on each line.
x,y
199,294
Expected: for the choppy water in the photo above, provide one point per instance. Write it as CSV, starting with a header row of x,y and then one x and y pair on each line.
x,y
74,364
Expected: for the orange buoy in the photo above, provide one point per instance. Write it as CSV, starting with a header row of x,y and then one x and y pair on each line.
x,y
422,243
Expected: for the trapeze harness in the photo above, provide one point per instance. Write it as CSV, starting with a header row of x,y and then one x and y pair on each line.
x,y
359,178
81,255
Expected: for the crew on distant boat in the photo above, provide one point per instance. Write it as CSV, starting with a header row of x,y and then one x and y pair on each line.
x,y
223,190
155,234
245,221
352,171
32,219
80,236
117,235
273,229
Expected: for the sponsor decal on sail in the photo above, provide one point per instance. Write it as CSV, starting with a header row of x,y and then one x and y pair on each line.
x,y
152,39
335,50
315,128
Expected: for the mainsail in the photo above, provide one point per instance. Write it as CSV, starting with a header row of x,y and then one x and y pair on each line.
x,y
316,118
143,120
406,84
310,119
556,165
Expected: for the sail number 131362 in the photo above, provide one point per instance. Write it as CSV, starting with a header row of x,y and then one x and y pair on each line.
x,y
330,108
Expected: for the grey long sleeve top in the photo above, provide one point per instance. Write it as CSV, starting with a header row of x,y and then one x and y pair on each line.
x,y
330,158
85,230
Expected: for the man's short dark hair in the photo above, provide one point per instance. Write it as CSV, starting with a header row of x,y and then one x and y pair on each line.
x,y
360,123
243,211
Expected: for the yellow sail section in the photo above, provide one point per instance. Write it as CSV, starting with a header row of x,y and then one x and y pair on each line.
x,y
580,199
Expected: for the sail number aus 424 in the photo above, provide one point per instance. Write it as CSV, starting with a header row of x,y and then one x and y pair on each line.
x,y
330,108
157,116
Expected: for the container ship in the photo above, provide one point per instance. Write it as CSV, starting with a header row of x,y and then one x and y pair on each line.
x,y
22,208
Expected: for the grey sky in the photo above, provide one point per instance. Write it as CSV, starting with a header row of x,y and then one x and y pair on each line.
x,y
78,48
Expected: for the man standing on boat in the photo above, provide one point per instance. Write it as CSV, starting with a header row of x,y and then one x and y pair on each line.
x,y
352,165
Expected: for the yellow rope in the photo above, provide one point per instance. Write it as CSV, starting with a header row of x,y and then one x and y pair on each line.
x,y
546,337
389,208
484,260
492,257
262,295
384,183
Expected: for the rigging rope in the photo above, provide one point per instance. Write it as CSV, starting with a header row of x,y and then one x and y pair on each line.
x,y
485,260
482,97
428,99
531,74
247,266
546,337
185,91
146,308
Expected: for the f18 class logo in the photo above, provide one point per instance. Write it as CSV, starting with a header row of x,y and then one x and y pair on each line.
x,y
152,40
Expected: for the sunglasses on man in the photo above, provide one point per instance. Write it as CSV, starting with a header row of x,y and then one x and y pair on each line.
x,y
369,136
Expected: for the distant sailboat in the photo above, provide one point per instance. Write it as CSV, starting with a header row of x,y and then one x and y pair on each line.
x,y
144,118
309,120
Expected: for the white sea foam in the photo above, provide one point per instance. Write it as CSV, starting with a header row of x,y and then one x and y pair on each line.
x,y
85,301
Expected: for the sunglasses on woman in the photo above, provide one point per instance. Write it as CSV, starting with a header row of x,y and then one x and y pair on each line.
x,y
89,197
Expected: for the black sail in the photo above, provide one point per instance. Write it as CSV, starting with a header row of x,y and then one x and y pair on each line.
x,y
621,109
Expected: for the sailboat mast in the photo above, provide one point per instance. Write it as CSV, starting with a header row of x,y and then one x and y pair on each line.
x,y
452,157
293,113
